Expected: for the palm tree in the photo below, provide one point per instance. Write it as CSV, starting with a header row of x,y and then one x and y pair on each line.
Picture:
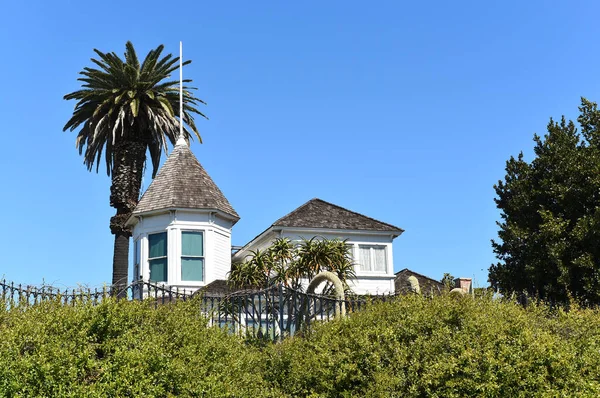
x,y
125,109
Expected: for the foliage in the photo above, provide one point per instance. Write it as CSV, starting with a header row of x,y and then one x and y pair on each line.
x,y
125,109
120,349
448,281
288,263
442,346
126,100
550,210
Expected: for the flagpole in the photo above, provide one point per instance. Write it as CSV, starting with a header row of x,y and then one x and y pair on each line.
x,y
181,139
181,88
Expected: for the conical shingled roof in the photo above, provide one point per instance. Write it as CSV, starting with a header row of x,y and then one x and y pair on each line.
x,y
183,183
317,213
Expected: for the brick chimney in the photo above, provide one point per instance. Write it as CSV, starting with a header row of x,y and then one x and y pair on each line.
x,y
464,284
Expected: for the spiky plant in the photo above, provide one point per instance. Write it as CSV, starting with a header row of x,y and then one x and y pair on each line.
x,y
124,110
254,272
288,264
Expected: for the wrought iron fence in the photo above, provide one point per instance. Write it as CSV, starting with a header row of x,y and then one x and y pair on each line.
x,y
13,295
273,313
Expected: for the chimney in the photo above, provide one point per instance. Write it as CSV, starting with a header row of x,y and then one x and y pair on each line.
x,y
464,284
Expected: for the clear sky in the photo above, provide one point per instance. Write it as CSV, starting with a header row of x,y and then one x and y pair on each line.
x,y
403,111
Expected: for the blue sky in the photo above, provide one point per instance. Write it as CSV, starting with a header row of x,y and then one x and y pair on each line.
x,y
403,111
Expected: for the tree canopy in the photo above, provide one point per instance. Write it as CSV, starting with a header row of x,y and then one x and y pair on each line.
x,y
448,281
124,110
548,241
125,100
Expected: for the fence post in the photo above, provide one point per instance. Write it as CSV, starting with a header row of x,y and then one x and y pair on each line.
x,y
274,315
281,312
219,312
240,304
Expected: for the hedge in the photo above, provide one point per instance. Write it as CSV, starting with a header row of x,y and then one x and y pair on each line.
x,y
122,349
414,347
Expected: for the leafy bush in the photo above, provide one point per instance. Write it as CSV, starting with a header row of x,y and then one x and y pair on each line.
x,y
120,349
444,347
441,347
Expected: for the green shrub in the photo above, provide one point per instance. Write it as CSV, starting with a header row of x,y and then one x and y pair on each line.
x,y
120,349
415,347
445,347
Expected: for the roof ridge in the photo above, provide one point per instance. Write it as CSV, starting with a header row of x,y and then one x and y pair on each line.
x,y
417,273
317,201
357,213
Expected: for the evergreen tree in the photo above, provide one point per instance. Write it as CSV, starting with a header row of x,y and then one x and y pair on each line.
x,y
549,237
448,281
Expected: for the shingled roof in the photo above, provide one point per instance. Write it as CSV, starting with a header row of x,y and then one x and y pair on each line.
x,y
317,213
183,183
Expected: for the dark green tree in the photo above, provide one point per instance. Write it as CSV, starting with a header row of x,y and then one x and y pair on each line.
x,y
448,281
124,110
549,237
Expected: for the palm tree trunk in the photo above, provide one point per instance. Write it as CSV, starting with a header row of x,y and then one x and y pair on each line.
x,y
127,173
120,262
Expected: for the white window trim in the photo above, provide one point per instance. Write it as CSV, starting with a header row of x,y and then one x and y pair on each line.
x,y
371,271
165,231
137,259
179,250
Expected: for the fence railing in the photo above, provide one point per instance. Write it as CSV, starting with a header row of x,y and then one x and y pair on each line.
x,y
273,313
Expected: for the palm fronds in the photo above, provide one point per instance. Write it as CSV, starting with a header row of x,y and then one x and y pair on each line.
x,y
123,100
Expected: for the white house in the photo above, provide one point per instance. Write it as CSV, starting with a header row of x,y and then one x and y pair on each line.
x,y
182,231
371,240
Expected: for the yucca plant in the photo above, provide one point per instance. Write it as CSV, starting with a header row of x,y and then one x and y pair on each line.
x,y
252,273
287,263
124,110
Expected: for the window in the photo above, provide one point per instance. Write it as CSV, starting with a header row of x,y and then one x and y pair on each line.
x,y
192,256
157,257
372,258
136,260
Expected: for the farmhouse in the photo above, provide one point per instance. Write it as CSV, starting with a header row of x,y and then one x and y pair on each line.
x,y
182,231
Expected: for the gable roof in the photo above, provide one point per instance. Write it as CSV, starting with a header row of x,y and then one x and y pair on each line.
x,y
317,213
182,182
410,272
427,284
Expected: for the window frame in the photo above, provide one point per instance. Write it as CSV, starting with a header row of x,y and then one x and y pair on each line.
x,y
371,266
166,257
137,259
186,256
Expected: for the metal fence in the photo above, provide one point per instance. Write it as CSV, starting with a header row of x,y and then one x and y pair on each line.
x,y
272,313
13,295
